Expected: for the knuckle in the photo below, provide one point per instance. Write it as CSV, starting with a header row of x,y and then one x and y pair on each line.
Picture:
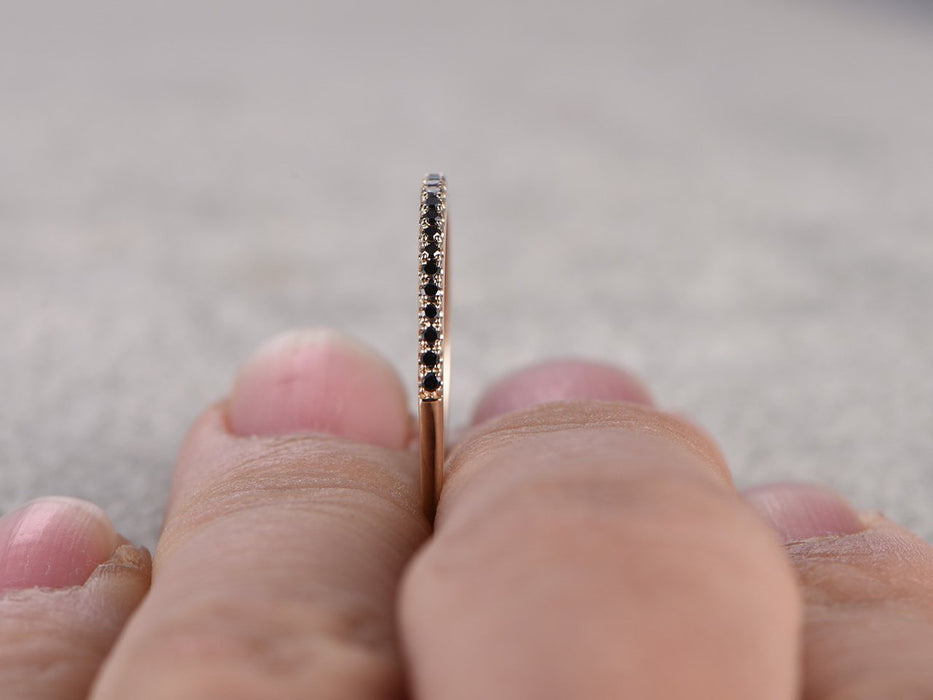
x,y
269,645
317,473
648,521
884,564
53,641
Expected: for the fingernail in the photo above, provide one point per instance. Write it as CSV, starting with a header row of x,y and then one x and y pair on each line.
x,y
53,542
560,380
800,511
319,381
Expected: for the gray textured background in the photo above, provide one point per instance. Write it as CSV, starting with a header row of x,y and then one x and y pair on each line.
x,y
732,198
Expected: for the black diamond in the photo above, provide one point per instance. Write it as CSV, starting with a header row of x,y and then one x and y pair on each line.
x,y
430,311
431,212
431,382
431,248
431,231
429,359
432,200
430,268
430,334
430,289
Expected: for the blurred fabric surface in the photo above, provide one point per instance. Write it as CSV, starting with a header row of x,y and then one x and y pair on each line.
x,y
733,199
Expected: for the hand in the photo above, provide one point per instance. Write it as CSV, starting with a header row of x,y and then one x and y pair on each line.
x,y
587,545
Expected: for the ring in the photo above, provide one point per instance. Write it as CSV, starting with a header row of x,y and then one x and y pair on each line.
x,y
433,338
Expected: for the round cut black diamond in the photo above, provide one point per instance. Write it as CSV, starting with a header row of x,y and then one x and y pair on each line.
x,y
431,290
430,311
431,248
431,231
430,335
429,359
430,268
431,382
432,200
431,213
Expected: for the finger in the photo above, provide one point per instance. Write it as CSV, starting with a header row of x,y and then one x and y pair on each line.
x,y
868,591
68,583
597,550
276,573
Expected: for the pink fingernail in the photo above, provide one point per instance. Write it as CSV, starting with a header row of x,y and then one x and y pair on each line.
x,y
53,542
320,381
800,511
560,380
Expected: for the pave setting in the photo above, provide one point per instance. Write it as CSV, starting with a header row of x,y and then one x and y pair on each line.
x,y
432,253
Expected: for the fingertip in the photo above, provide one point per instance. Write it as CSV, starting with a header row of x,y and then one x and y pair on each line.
x,y
799,511
560,380
53,542
320,381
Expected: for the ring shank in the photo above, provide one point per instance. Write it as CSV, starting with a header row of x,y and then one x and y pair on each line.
x,y
431,420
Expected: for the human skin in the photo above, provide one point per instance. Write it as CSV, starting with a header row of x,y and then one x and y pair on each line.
x,y
587,545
